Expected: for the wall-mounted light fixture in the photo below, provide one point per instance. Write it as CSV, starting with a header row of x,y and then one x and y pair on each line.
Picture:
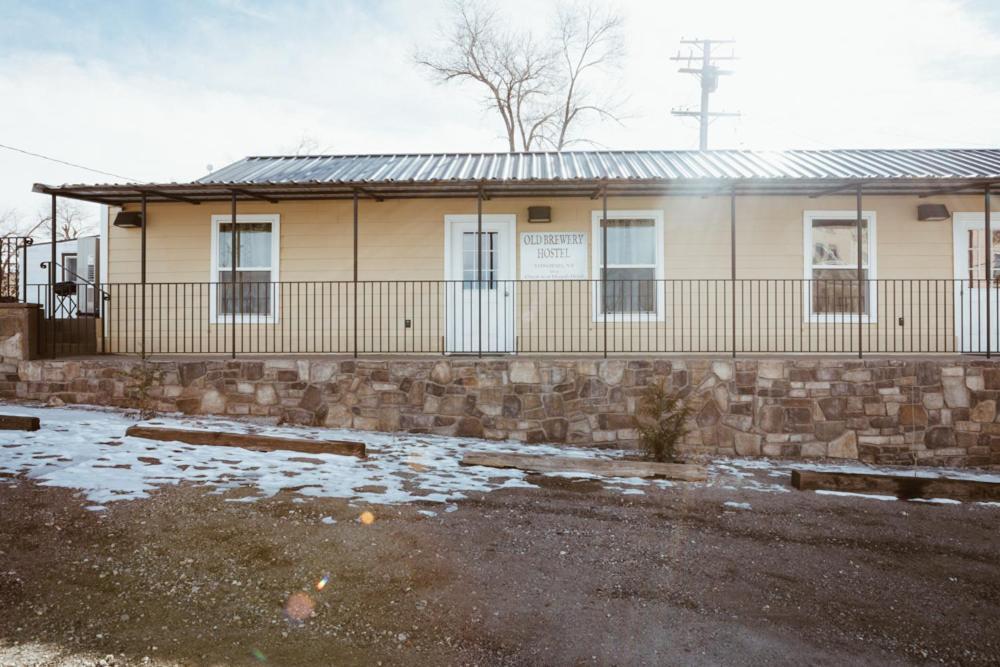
x,y
933,212
128,219
539,214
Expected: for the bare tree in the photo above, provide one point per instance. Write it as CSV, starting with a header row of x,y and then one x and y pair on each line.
x,y
71,221
542,93
307,145
12,223
589,41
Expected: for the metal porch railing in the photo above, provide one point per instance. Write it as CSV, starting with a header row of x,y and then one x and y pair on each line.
x,y
718,316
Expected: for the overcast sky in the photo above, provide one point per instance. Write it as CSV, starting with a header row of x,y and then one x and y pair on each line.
x,y
157,91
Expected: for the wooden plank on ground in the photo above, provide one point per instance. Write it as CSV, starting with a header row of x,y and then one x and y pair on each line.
x,y
248,440
19,423
606,467
902,486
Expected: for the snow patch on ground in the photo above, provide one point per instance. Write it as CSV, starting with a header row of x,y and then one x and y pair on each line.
x,y
732,504
86,449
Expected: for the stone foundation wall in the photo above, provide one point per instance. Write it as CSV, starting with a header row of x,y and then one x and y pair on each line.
x,y
18,333
939,411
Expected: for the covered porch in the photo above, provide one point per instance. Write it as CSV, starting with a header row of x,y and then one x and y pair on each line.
x,y
477,302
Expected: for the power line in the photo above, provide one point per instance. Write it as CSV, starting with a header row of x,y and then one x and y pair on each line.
x,y
708,72
68,164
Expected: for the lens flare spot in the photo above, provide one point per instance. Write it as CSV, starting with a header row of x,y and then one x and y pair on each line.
x,y
258,655
299,607
321,584
367,518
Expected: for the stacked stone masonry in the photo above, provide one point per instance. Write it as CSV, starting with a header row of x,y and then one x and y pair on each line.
x,y
890,410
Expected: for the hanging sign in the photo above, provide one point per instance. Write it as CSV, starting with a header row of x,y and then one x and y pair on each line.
x,y
553,256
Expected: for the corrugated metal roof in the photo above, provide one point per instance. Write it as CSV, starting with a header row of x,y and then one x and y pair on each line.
x,y
576,166
572,173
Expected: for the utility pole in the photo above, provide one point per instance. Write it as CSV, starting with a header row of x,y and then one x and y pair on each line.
x,y
708,72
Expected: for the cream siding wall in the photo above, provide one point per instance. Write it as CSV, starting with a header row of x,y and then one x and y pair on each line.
x,y
404,241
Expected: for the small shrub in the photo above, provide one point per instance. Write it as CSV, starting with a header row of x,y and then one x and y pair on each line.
x,y
661,419
146,377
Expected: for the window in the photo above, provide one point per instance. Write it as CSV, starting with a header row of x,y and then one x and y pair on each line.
x,y
254,296
69,271
635,262
831,265
470,277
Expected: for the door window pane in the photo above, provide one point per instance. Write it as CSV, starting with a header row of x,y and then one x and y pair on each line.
x,y
470,276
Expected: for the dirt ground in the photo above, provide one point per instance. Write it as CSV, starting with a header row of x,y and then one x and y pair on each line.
x,y
567,574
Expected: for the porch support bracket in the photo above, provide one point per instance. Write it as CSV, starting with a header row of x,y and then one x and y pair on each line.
x,y
254,195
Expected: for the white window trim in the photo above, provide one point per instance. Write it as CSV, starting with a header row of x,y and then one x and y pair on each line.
x,y
595,223
807,250
225,218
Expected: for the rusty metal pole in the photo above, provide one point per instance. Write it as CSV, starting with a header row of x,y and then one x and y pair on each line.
x,y
142,278
52,281
355,274
732,261
234,254
604,264
989,270
861,282
479,265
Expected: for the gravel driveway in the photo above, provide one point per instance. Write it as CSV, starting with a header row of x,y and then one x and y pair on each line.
x,y
568,573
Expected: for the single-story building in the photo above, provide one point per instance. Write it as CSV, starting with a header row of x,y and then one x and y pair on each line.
x,y
592,252
536,296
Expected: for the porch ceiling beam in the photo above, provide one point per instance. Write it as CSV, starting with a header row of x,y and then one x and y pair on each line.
x,y
976,187
255,195
167,195
39,188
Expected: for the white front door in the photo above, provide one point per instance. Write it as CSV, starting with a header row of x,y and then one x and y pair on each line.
x,y
970,283
479,307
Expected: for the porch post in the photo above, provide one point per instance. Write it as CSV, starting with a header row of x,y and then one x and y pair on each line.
x,y
479,265
861,283
234,254
604,264
989,271
355,274
142,278
52,280
52,263
732,262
